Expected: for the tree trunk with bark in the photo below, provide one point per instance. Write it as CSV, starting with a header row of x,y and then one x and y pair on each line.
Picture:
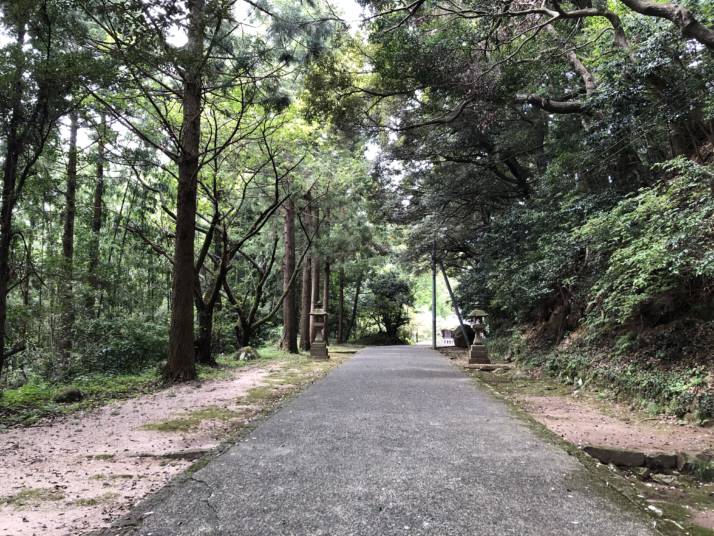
x,y
315,273
340,305
305,306
14,147
203,344
97,217
355,303
290,331
180,364
326,297
66,287
243,333
678,15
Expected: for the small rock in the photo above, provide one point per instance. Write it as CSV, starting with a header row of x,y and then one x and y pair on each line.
x,y
654,509
667,480
642,473
687,463
68,395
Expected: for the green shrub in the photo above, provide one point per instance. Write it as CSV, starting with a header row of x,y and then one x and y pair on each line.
x,y
655,246
129,345
677,390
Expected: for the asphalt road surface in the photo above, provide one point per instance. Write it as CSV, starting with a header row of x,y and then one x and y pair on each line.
x,y
396,441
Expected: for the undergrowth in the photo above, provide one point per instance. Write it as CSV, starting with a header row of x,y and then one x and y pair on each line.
x,y
677,388
34,400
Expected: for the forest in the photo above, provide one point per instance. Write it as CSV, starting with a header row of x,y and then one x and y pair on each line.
x,y
185,179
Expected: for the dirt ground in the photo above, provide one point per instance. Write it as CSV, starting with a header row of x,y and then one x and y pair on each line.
x,y
582,418
79,472
582,422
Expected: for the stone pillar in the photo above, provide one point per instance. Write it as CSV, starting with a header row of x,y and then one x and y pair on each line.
x,y
318,346
478,353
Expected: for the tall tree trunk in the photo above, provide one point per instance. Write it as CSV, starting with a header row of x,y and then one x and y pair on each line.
x,y
96,227
243,333
353,318
314,272
180,364
289,340
66,291
305,306
13,149
24,331
203,344
341,306
326,298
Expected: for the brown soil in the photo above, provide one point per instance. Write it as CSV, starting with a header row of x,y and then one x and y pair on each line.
x,y
582,419
705,519
79,472
582,422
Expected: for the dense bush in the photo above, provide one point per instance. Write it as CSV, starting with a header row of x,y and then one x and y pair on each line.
x,y
113,346
387,301
654,251
636,274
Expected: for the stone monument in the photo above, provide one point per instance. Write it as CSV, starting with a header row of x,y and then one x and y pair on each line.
x,y
478,353
318,346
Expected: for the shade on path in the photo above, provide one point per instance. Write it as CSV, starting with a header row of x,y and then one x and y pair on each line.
x,y
396,441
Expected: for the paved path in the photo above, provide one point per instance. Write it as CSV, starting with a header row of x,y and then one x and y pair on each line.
x,y
396,441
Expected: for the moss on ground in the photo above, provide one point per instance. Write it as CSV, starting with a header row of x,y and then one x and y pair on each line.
x,y
102,476
280,383
101,456
94,501
190,421
31,496
28,404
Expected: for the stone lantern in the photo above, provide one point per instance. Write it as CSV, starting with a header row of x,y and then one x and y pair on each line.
x,y
478,353
318,346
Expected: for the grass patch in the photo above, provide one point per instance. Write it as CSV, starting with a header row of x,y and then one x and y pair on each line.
x,y
94,501
190,421
30,496
302,370
102,476
101,457
35,400
261,394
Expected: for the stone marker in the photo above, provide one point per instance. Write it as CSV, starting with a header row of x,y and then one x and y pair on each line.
x,y
318,346
478,353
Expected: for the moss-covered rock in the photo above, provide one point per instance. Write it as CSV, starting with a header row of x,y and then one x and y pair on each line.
x,y
247,353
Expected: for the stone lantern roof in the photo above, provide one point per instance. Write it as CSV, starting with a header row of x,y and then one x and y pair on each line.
x,y
476,313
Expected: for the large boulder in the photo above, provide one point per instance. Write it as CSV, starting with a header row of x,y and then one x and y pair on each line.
x,y
247,353
459,336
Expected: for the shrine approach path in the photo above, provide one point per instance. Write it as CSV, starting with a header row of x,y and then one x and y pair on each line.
x,y
396,441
